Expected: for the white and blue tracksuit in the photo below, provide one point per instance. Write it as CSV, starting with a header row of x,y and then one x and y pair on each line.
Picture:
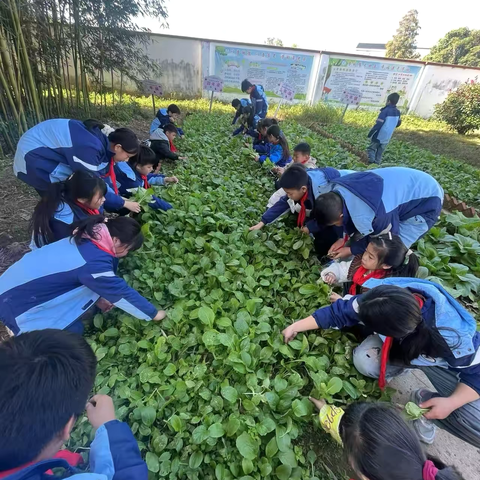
x,y
114,454
129,178
401,200
319,182
275,155
388,120
161,120
52,150
440,310
259,102
53,286
243,103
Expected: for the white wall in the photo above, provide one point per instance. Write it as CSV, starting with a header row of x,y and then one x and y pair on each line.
x,y
435,83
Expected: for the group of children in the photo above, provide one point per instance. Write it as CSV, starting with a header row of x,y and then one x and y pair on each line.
x,y
363,225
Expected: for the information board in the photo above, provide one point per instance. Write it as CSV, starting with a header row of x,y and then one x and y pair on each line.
x,y
374,79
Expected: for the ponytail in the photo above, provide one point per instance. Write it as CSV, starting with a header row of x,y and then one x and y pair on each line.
x,y
391,251
275,131
125,229
80,185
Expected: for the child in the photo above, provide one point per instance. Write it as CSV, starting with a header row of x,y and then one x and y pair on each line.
x,y
388,120
137,172
385,256
247,122
301,155
260,141
379,444
418,324
238,105
161,142
279,152
258,99
64,204
301,188
46,378
53,286
405,201
166,116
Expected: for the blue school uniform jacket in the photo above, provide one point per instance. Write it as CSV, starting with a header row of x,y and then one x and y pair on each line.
x,y
128,177
388,120
275,155
259,101
161,119
53,286
319,182
261,145
440,309
114,454
52,150
405,201
243,103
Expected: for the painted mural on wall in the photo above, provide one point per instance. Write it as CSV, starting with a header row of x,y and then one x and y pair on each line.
x,y
374,79
268,68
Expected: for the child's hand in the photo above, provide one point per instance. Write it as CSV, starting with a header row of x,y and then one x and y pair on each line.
x,y
319,404
257,158
104,305
161,314
336,246
182,158
100,410
289,333
334,297
132,206
305,230
258,226
343,252
330,278
170,180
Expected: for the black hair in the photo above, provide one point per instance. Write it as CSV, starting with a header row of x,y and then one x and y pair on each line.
x,y
126,138
80,184
328,208
275,131
236,103
380,445
172,108
170,127
393,98
91,124
126,229
391,251
394,312
145,156
246,85
303,147
294,177
266,123
45,379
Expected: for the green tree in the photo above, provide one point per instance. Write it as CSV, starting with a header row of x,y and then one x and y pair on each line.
x,y
403,43
294,45
460,47
274,41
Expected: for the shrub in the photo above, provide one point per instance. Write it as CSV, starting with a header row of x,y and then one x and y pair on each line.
x,y
461,108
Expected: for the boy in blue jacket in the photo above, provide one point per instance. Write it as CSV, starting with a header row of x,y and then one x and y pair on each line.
x,y
165,116
382,131
238,105
258,99
404,201
46,377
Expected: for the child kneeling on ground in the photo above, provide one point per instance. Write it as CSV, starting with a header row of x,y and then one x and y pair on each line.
x,y
279,152
161,142
46,377
385,256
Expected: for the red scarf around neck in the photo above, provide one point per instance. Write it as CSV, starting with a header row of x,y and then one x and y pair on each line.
x,y
145,181
90,211
387,345
172,146
113,177
303,211
361,275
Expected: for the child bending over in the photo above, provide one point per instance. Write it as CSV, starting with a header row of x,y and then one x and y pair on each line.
x,y
279,151
165,116
161,142
260,140
301,155
238,105
385,256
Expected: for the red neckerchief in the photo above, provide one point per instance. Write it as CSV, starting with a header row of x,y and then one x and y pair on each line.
x,y
73,459
101,247
303,211
387,344
172,146
145,181
361,276
90,211
113,177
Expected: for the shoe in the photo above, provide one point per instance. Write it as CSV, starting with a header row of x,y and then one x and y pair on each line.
x,y
424,428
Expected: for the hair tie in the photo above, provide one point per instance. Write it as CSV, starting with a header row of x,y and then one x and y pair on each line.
x,y
407,256
429,470
107,130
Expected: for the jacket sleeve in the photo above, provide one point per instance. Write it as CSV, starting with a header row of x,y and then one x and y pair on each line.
x,y
156,179
339,314
339,269
359,246
116,290
276,154
313,226
275,212
261,148
114,453
162,149
470,376
113,202
399,121
378,124
235,118
60,229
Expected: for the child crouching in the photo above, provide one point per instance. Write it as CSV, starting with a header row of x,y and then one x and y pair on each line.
x,y
279,151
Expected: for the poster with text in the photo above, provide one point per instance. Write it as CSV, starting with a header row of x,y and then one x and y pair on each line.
x,y
268,68
375,80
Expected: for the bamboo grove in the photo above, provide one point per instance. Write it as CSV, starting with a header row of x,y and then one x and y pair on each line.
x,y
57,56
